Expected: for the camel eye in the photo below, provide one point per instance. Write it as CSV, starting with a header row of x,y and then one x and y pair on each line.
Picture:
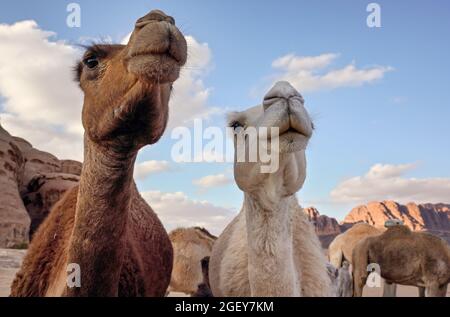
x,y
235,125
91,62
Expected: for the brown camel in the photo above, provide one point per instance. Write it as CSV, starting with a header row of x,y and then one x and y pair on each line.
x,y
342,246
190,246
104,225
404,257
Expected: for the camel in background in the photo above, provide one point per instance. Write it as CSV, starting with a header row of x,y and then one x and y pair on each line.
x,y
341,248
103,224
341,279
190,246
404,257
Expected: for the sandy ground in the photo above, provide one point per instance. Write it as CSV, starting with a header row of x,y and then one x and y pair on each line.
x,y
10,261
402,291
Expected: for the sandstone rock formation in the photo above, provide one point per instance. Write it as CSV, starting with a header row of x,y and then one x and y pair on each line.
x,y
14,220
31,181
324,225
43,191
433,218
327,228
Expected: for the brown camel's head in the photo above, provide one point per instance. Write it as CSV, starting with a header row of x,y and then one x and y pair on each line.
x,y
127,87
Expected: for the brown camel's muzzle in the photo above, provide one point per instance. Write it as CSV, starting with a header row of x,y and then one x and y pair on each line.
x,y
157,49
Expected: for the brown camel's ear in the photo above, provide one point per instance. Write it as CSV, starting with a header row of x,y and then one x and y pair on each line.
x,y
235,119
77,70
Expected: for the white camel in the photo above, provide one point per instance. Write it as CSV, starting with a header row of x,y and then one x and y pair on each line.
x,y
270,248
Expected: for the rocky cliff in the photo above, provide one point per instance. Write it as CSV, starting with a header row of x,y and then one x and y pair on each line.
x,y
31,181
433,218
327,228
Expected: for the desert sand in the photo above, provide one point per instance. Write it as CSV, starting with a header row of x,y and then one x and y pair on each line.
x,y
10,261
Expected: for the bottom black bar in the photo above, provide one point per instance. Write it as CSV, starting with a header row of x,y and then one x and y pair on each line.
x,y
219,306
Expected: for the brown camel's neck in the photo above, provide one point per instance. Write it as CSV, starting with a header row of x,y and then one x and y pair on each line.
x,y
98,240
270,252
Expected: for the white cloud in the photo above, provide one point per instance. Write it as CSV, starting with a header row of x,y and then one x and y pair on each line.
x,y
388,182
384,171
312,73
177,210
41,102
126,39
45,138
190,96
294,63
144,169
211,181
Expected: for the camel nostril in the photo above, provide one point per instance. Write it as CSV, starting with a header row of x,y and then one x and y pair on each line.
x,y
154,16
298,97
170,20
282,90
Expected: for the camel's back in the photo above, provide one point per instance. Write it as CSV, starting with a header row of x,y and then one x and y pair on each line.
x,y
424,253
354,235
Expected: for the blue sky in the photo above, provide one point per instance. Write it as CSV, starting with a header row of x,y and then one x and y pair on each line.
x,y
400,118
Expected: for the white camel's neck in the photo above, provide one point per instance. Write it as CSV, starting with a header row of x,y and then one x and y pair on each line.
x,y
101,217
269,233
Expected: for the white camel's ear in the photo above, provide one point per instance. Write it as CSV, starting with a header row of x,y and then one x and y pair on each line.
x,y
233,117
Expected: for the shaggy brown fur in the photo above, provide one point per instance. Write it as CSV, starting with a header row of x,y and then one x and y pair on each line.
x,y
341,248
405,257
104,225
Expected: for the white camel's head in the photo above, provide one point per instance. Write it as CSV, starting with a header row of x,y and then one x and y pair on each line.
x,y
282,111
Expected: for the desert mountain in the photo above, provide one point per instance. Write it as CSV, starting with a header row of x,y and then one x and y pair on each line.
x,y
433,218
327,228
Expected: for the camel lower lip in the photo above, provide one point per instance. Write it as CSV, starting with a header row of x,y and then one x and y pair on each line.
x,y
291,131
152,54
